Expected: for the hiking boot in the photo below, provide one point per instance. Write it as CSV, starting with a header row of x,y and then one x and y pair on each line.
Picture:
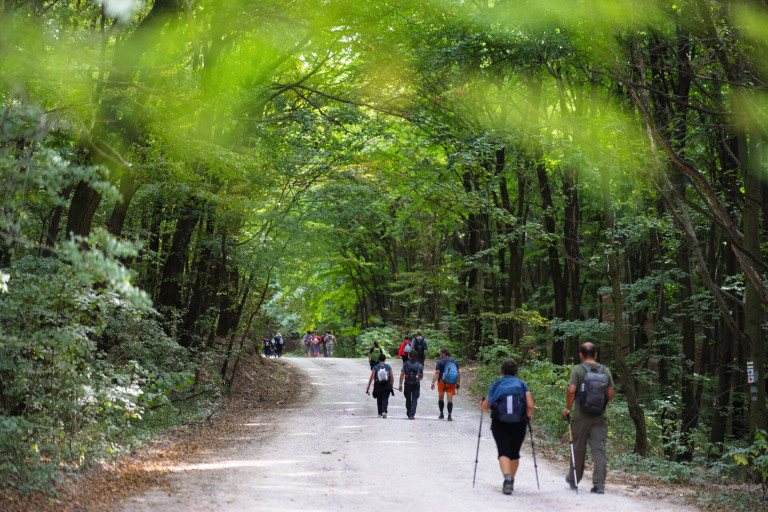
x,y
441,416
449,418
595,490
571,484
508,486
411,418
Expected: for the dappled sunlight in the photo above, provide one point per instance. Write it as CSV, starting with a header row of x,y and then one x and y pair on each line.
x,y
230,464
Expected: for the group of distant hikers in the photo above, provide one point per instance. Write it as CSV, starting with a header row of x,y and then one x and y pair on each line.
x,y
413,352
509,400
272,347
316,344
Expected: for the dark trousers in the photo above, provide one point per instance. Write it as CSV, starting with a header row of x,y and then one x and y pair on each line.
x,y
381,393
411,393
382,401
325,349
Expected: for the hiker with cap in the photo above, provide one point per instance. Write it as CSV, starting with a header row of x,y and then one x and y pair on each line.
x,y
412,372
383,381
448,380
511,406
590,388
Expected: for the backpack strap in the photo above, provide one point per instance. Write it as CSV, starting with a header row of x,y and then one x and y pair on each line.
x,y
587,369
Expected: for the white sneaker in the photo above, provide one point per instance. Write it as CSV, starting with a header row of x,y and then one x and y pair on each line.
x,y
383,415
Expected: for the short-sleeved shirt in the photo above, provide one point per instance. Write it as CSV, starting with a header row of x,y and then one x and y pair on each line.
x,y
577,376
441,363
376,368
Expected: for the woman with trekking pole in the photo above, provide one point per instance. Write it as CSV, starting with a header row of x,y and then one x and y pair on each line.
x,y
511,406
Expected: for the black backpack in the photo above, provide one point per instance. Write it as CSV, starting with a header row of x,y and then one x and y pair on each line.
x,y
418,345
592,393
411,373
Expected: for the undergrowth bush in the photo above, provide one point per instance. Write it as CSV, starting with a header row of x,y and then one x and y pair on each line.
x,y
82,362
755,458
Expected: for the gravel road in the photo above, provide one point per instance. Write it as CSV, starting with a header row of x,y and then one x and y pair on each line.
x,y
330,451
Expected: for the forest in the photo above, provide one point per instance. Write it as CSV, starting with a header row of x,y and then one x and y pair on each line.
x,y
180,178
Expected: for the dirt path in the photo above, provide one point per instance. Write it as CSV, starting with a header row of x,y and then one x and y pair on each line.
x,y
330,451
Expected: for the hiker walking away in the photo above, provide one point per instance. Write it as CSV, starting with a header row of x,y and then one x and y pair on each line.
x,y
308,344
324,343
381,376
405,348
420,346
265,347
330,339
279,345
511,406
589,391
373,354
316,341
448,380
412,371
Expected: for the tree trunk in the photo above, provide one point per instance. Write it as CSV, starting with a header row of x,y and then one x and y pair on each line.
x,y
53,227
690,415
559,288
82,208
754,315
128,188
571,223
201,290
623,372
173,270
511,259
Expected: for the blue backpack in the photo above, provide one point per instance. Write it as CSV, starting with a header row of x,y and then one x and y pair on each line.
x,y
451,372
512,406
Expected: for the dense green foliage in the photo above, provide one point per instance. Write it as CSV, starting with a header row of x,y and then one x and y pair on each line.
x,y
181,177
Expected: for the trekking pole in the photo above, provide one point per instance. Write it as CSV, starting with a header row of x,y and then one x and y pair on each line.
x,y
477,454
533,451
573,457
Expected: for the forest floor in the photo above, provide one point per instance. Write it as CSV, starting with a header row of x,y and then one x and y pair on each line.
x,y
258,392
102,488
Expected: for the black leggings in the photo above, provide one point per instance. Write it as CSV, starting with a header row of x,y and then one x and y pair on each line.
x,y
509,438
